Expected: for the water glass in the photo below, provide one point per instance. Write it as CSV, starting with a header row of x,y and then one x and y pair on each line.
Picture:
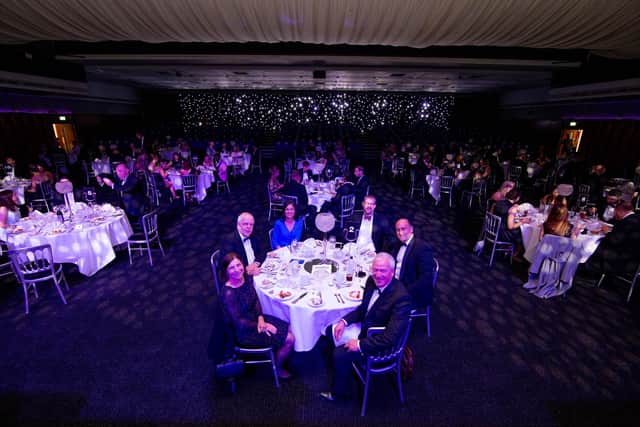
x,y
332,242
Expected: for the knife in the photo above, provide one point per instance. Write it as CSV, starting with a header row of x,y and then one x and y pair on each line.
x,y
299,298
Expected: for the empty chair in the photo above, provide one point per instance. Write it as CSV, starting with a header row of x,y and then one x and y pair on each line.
x,y
583,196
514,173
44,200
631,281
153,193
275,205
189,183
478,190
347,204
34,265
142,241
492,224
397,166
416,187
427,312
256,162
446,187
381,364
222,185
214,260
5,262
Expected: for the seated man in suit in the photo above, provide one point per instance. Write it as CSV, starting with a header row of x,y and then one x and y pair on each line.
x,y
242,242
619,251
361,184
414,264
306,173
374,227
385,303
131,193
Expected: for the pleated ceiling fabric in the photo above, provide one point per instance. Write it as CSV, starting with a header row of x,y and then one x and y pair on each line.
x,y
609,27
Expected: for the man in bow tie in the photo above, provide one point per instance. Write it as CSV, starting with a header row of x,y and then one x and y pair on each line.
x,y
242,242
414,264
374,228
385,303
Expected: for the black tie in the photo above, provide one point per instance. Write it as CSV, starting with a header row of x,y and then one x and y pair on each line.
x,y
246,239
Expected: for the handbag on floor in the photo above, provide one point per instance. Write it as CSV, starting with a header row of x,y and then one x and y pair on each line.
x,y
406,363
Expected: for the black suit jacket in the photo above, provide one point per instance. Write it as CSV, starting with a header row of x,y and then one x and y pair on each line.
x,y
391,310
416,272
619,251
131,194
360,189
295,189
380,232
232,242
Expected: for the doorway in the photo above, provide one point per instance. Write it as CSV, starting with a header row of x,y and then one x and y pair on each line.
x,y
65,135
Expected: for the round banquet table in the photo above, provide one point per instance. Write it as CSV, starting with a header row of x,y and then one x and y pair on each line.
x,y
203,182
87,244
585,244
319,192
307,321
244,159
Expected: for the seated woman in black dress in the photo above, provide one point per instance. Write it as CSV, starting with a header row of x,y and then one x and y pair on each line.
x,y
243,313
510,227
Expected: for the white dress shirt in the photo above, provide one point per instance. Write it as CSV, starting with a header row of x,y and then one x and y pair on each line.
x,y
366,233
400,257
248,249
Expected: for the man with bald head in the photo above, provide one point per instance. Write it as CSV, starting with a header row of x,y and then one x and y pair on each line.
x,y
386,303
414,264
242,242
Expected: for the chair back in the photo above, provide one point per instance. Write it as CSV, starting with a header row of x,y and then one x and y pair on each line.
x,y
388,359
33,262
189,183
5,262
214,260
479,187
150,225
514,173
347,203
492,226
446,183
47,190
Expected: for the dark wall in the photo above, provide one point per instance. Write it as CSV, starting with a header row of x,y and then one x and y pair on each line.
x,y
614,143
21,136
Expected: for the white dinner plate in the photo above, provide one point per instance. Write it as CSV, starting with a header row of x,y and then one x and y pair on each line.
x,y
312,305
283,294
267,284
354,295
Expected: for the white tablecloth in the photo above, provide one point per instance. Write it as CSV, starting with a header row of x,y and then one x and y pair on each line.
x,y
307,322
587,243
245,161
203,182
87,245
318,193
433,181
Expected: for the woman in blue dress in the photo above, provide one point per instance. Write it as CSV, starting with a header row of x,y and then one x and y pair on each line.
x,y
288,228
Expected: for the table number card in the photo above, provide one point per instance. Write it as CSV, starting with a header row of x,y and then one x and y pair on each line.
x,y
321,273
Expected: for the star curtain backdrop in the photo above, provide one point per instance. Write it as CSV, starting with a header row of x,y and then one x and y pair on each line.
x,y
363,111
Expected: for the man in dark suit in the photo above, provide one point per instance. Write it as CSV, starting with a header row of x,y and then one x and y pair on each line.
x,y
244,244
414,264
619,251
373,227
361,184
335,204
295,188
131,193
385,303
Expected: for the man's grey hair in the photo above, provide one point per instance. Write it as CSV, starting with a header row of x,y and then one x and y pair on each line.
x,y
388,258
242,215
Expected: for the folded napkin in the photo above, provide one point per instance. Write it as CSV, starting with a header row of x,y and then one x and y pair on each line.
x,y
107,208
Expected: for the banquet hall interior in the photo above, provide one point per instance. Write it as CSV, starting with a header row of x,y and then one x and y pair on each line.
x,y
217,107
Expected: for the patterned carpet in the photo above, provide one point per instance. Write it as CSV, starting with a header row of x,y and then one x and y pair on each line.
x,y
130,347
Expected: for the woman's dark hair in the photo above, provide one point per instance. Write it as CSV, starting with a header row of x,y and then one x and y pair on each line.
x,y
513,194
6,199
295,210
224,264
